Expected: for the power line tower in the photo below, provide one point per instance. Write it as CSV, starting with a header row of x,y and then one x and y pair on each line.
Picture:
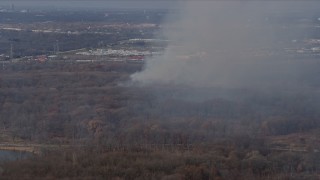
x,y
57,47
11,51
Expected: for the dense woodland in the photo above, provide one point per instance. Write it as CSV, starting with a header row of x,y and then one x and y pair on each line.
x,y
89,121
108,128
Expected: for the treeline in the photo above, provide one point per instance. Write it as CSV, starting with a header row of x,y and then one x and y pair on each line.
x,y
113,126
45,100
25,42
221,161
28,43
56,99
67,16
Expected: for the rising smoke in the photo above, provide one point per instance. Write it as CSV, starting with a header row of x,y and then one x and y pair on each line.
x,y
229,45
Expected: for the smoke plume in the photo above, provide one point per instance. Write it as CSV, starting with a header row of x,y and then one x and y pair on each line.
x,y
229,45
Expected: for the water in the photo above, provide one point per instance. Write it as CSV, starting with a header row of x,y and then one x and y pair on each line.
x,y
9,155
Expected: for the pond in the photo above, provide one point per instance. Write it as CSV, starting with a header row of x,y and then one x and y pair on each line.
x,y
10,155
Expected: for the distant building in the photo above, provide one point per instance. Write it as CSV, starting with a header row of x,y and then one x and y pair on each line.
x,y
41,58
136,58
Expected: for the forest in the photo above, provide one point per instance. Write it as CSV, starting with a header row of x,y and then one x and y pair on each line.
x,y
92,123
84,117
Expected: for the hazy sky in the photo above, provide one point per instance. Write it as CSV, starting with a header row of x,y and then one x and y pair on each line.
x,y
153,4
101,4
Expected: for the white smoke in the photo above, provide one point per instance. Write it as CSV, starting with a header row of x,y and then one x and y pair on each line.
x,y
224,44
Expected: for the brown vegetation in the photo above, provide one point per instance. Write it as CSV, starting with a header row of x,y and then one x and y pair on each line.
x,y
104,130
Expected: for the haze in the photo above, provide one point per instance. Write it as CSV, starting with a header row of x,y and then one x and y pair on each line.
x,y
83,4
232,45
